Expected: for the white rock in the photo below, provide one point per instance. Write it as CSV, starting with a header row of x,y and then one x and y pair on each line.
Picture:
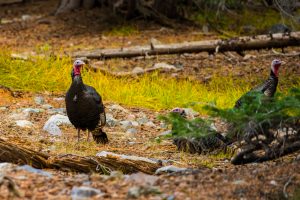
x,y
32,110
142,179
150,124
59,99
117,107
169,169
51,126
134,123
164,66
6,167
24,123
143,120
138,70
83,192
18,116
125,157
3,108
131,117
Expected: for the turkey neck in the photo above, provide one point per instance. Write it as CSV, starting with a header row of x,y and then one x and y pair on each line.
x,y
77,85
273,76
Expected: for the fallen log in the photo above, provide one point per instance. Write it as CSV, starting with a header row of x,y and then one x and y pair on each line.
x,y
84,164
235,44
5,2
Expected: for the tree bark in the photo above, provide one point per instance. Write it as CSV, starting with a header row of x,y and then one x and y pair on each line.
x,y
90,164
237,44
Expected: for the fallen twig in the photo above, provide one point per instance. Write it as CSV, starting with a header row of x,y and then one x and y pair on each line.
x,y
286,195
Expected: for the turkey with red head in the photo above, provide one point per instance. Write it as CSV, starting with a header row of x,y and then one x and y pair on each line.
x,y
84,106
268,88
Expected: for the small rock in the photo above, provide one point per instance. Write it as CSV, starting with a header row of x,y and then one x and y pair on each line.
x,y
47,106
248,56
39,100
238,182
24,124
298,157
134,123
51,126
117,107
150,124
169,169
132,132
111,121
163,125
131,117
32,110
164,66
125,125
168,132
6,167
137,70
59,99
273,182
84,192
3,108
34,170
26,17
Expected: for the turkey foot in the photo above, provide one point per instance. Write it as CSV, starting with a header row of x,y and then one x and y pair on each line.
x,y
100,137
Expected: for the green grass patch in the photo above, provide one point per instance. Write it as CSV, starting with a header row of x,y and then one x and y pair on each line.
x,y
150,91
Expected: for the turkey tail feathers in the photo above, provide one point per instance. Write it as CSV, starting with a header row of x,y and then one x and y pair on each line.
x,y
99,136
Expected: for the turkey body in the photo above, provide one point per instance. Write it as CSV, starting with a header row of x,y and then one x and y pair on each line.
x,y
268,88
85,109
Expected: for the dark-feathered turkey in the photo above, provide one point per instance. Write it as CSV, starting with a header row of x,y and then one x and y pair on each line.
x,y
84,106
216,141
269,87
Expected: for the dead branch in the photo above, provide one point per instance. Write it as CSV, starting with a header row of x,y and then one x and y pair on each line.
x,y
236,44
98,164
3,2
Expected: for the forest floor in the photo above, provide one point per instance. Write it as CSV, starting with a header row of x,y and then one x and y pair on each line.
x,y
31,30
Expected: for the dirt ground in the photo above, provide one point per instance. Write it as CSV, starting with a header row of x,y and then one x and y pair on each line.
x,y
208,177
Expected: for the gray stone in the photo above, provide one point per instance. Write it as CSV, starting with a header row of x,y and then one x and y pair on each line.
x,y
39,100
238,182
132,132
24,124
32,110
111,121
125,125
137,70
34,170
169,169
137,191
131,117
84,192
51,126
164,66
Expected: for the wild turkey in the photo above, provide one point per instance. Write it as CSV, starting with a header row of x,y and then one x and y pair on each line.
x,y
269,87
85,108
217,140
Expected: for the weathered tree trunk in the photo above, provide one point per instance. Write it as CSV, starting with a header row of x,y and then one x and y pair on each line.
x,y
100,164
236,44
